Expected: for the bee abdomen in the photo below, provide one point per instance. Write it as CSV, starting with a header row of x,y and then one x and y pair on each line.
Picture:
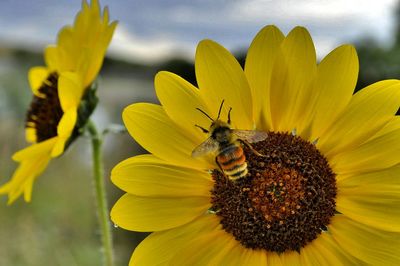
x,y
239,170
233,161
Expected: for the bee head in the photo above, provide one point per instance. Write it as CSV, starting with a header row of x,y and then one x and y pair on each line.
x,y
221,131
218,127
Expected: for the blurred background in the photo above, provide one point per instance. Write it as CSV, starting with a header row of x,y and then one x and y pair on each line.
x,y
59,227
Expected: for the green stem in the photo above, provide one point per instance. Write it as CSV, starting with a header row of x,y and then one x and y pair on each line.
x,y
102,208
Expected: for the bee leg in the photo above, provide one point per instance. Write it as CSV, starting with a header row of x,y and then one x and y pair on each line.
x,y
252,149
220,168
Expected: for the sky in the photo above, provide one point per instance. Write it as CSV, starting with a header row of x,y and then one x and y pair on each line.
x,y
153,30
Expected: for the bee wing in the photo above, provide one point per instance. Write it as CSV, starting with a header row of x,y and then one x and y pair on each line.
x,y
250,136
209,145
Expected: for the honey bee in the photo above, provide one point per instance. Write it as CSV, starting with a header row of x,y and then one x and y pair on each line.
x,y
226,143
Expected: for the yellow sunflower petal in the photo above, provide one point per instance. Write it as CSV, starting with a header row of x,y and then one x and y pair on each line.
x,y
95,62
325,251
376,154
273,258
369,245
321,251
67,123
52,58
390,126
336,79
59,147
36,77
372,198
145,214
220,77
160,247
258,69
212,248
35,150
146,175
293,72
180,99
249,257
68,51
30,134
291,258
64,130
368,111
70,90
23,178
150,126
86,42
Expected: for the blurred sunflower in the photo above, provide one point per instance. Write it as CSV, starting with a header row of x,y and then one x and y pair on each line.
x,y
63,95
325,193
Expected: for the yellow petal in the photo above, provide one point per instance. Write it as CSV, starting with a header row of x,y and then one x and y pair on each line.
x,y
148,176
84,44
376,154
106,15
369,245
336,78
220,77
96,61
64,131
213,248
150,126
67,123
160,247
68,50
70,90
321,251
23,178
258,69
36,76
368,111
273,258
325,251
390,126
180,99
372,198
293,72
35,150
30,134
59,147
291,258
145,214
253,257
51,57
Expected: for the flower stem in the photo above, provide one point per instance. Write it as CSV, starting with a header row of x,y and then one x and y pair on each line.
x,y
102,208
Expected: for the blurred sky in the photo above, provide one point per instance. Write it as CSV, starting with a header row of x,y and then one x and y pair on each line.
x,y
150,30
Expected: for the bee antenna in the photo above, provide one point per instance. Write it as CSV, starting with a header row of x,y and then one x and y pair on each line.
x,y
220,108
229,115
205,114
202,129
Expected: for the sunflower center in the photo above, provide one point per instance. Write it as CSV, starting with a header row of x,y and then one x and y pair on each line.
x,y
284,202
45,110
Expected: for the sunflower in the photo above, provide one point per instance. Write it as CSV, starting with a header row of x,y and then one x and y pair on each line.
x,y
63,95
322,190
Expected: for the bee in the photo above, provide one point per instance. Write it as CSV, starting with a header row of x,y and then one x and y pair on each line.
x,y
227,142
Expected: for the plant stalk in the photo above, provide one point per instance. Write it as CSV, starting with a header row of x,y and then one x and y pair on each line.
x,y
101,199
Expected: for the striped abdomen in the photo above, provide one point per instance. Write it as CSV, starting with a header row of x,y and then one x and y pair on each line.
x,y
232,161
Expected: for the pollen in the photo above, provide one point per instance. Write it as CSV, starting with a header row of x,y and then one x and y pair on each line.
x,y
45,111
284,202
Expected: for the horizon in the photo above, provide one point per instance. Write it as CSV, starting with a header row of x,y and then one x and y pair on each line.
x,y
152,31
